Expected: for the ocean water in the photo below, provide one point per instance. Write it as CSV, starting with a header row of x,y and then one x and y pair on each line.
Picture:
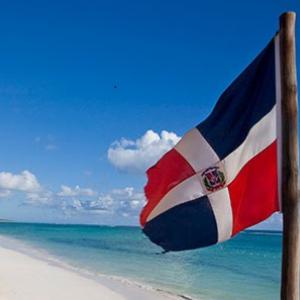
x,y
246,267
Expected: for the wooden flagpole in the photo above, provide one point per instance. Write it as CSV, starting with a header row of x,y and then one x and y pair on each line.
x,y
289,190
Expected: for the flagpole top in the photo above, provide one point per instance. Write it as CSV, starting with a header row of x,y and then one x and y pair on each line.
x,y
288,15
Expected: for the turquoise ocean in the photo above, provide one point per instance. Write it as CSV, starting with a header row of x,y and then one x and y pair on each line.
x,y
245,267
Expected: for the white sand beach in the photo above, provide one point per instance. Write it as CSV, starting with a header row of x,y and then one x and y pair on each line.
x,y
23,277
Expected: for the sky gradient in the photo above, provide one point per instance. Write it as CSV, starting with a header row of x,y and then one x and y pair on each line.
x,y
93,93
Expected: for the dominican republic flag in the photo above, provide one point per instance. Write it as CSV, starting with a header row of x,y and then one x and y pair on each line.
x,y
223,176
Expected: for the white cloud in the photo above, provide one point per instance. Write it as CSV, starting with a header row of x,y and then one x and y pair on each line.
x,y
127,200
138,155
41,197
124,202
4,193
67,191
73,201
25,181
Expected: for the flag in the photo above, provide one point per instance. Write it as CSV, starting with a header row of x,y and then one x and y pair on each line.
x,y
222,176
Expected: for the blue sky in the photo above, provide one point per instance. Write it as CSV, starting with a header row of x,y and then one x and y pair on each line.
x,y
77,76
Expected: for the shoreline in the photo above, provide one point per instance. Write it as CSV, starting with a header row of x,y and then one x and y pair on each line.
x,y
31,273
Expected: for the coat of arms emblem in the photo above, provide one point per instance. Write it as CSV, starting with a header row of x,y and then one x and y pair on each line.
x,y
213,179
